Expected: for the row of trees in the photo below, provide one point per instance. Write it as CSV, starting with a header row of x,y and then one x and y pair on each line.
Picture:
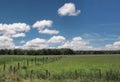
x,y
98,52
36,52
53,52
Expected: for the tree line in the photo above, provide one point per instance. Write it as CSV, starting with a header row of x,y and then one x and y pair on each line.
x,y
64,51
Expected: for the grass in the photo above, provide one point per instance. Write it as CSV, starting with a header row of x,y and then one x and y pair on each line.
x,y
77,68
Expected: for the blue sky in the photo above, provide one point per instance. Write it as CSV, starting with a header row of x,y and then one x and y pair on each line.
x,y
84,24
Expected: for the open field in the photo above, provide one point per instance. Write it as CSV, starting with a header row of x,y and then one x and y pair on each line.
x,y
76,68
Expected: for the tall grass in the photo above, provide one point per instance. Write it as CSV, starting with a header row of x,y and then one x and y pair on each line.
x,y
100,68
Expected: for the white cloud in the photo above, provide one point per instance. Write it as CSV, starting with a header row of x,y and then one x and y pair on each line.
x,y
19,27
57,39
77,38
22,41
77,43
15,29
43,26
6,42
68,9
18,35
36,43
116,43
47,31
108,46
39,43
10,31
114,46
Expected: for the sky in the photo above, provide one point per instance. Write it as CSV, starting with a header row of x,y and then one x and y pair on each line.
x,y
74,24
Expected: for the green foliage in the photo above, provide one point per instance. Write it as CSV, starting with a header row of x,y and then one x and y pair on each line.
x,y
84,68
36,52
63,51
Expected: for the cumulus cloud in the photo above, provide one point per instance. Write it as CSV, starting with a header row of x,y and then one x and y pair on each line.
x,y
6,42
114,46
39,43
68,9
14,30
10,31
36,43
77,38
57,39
116,43
18,35
77,43
43,26
21,42
47,31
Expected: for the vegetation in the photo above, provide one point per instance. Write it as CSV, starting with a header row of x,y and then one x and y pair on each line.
x,y
74,68
36,52
63,51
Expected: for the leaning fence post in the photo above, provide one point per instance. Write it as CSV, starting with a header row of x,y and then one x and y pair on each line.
x,y
4,66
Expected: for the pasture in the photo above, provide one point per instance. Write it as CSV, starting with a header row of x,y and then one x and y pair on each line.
x,y
69,68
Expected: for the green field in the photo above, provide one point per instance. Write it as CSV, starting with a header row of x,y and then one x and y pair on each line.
x,y
76,68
